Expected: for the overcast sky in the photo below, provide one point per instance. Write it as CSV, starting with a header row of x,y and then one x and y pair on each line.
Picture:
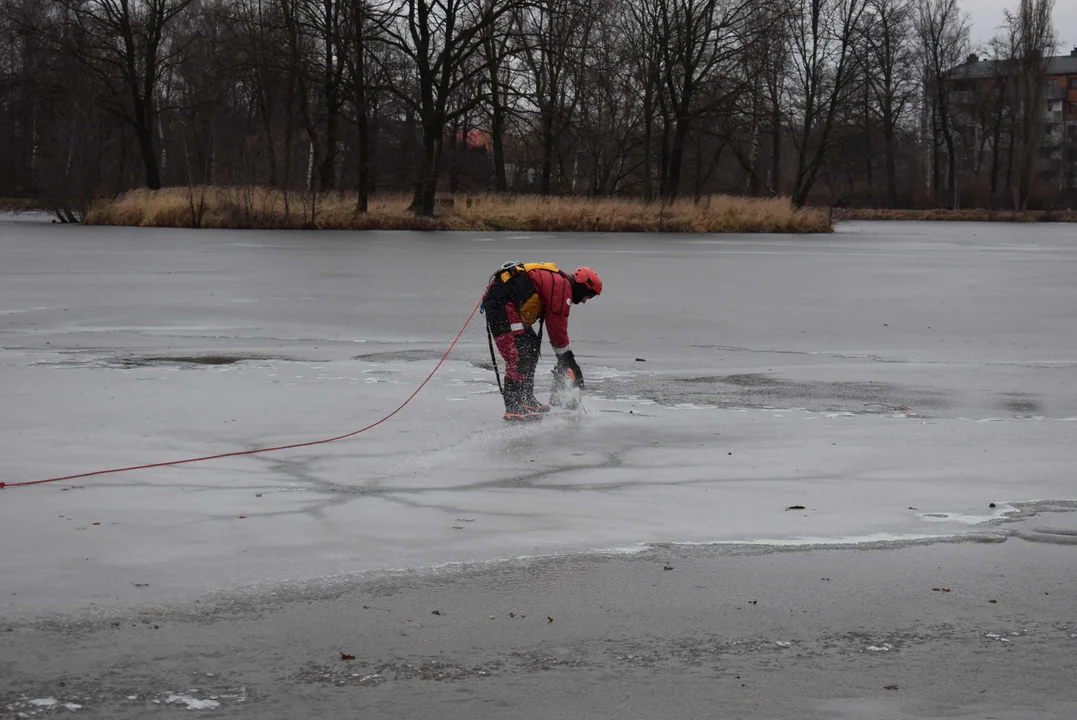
x,y
986,15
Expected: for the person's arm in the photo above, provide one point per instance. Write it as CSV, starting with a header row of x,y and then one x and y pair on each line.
x,y
558,304
567,361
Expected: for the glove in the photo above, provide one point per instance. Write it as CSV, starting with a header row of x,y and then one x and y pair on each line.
x,y
567,361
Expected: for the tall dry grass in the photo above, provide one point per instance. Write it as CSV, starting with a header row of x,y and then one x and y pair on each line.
x,y
967,215
257,207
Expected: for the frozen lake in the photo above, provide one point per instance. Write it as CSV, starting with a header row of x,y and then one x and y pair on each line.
x,y
894,379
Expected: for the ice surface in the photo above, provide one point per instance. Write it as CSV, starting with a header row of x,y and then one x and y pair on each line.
x,y
848,374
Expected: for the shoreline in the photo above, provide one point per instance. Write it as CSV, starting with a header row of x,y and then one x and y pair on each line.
x,y
1010,524
984,628
234,208
266,208
948,215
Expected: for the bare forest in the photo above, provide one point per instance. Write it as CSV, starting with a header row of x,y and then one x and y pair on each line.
x,y
828,102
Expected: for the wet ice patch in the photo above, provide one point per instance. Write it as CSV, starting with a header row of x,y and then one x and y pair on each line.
x,y
51,702
817,541
968,518
400,356
192,703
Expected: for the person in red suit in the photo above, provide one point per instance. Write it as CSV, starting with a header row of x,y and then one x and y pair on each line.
x,y
519,296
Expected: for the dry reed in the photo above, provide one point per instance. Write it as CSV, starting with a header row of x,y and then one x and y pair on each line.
x,y
256,207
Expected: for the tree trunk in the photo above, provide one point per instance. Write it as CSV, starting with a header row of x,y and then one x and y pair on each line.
x,y
648,139
935,183
497,121
996,137
454,155
1009,167
149,158
676,156
426,189
372,151
327,172
363,183
776,151
951,150
547,153
951,170
497,132
891,167
362,113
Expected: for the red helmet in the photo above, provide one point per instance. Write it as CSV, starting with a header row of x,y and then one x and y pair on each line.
x,y
589,278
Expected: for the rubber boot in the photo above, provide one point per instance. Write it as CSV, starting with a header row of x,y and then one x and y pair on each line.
x,y
516,410
530,401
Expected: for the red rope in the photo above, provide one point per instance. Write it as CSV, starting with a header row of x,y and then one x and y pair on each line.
x,y
265,449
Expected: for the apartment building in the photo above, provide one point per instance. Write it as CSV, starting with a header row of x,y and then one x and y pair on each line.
x,y
982,99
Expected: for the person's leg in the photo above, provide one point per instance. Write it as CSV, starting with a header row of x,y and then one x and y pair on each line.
x,y
505,326
528,348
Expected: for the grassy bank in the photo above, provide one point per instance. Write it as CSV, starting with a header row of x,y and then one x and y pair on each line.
x,y
247,207
969,215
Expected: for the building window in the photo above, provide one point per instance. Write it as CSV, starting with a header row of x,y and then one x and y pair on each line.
x,y
1073,83
1073,108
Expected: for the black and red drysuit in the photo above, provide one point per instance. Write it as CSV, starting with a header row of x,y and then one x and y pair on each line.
x,y
518,297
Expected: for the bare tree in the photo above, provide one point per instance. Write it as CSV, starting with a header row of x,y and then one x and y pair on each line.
x,y
439,38
1000,103
763,66
889,50
555,36
823,33
943,33
609,118
1035,40
701,37
362,70
498,46
645,36
317,56
126,45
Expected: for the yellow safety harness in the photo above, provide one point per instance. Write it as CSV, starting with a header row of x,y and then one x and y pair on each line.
x,y
520,290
